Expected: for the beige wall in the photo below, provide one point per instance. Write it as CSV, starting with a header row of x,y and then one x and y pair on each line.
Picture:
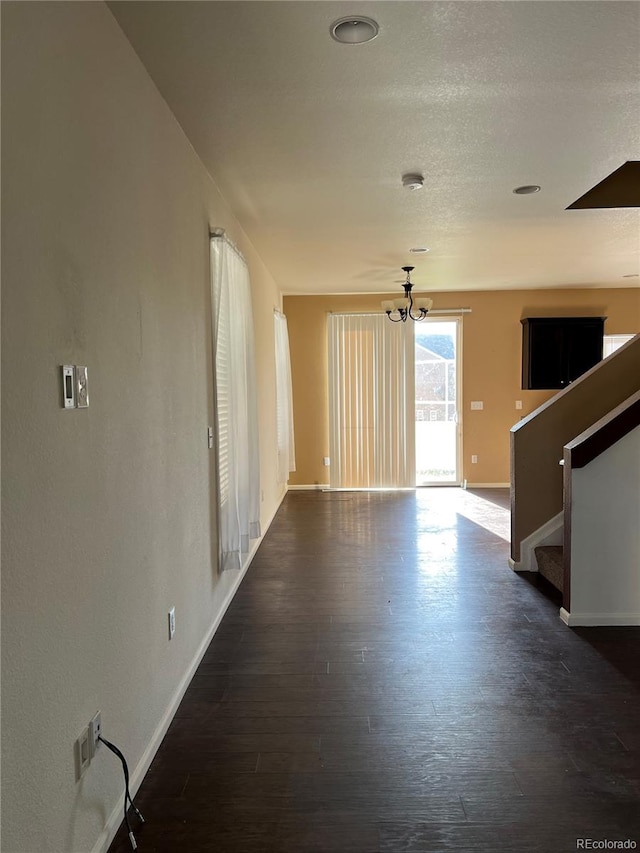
x,y
107,513
491,366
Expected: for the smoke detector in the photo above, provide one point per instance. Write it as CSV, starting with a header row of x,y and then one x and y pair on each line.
x,y
412,181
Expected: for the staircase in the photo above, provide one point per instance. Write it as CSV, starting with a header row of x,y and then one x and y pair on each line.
x,y
550,564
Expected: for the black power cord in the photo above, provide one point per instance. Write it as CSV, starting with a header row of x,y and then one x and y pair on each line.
x,y
127,796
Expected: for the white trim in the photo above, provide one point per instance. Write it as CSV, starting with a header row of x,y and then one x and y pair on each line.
x,y
371,489
311,487
598,619
456,485
550,533
139,772
487,485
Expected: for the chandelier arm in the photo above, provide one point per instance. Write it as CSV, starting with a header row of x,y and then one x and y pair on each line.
x,y
399,320
421,316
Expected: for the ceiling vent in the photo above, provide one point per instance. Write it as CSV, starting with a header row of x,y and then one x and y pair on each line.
x,y
527,189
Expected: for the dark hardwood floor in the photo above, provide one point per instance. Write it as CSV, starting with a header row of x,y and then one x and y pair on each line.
x,y
382,681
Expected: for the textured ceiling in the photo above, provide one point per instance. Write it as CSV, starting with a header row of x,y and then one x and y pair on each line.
x,y
308,139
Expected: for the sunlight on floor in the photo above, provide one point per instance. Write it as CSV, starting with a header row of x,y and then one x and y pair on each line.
x,y
493,517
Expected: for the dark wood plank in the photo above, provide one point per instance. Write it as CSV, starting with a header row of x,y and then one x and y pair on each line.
x,y
383,683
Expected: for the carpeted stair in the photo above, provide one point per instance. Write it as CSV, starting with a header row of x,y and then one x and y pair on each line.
x,y
550,564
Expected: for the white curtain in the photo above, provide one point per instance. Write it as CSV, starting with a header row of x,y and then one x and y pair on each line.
x,y
284,399
236,404
371,402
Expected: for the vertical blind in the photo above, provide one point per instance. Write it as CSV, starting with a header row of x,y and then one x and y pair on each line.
x,y
236,404
371,402
284,399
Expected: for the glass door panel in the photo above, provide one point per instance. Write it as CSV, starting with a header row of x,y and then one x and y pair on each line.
x,y
436,402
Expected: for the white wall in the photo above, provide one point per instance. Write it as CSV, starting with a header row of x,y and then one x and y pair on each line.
x,y
107,513
605,537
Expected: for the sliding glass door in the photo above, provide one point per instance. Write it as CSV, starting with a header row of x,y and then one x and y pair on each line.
x,y
393,401
437,388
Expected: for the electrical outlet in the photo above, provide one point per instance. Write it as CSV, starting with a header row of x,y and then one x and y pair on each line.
x,y
95,730
172,623
326,461
83,752
474,459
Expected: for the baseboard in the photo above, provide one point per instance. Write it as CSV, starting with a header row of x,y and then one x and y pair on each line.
x,y
547,534
140,771
486,485
324,486
594,620
314,487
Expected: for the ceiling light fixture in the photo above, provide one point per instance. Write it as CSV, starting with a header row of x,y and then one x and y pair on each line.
x,y
355,29
412,181
527,189
404,306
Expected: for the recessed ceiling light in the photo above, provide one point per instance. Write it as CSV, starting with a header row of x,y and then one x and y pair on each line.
x,y
355,29
527,189
419,250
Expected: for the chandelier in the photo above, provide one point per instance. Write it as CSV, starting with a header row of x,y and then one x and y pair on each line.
x,y
407,307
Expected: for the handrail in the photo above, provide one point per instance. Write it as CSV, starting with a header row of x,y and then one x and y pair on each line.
x,y
523,422
537,441
604,433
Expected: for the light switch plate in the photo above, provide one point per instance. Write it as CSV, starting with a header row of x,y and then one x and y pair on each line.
x,y
68,387
477,405
82,388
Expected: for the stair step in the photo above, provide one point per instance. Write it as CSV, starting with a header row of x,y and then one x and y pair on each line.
x,y
551,564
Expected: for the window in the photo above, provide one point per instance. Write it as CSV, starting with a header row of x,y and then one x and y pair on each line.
x,y
284,399
611,343
236,404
